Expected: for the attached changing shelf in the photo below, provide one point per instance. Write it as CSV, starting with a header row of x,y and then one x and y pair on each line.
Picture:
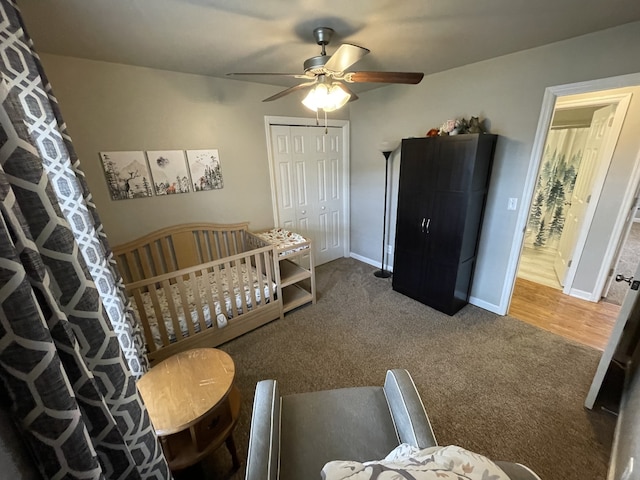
x,y
297,280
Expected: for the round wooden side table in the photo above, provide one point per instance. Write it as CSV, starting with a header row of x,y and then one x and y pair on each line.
x,y
193,405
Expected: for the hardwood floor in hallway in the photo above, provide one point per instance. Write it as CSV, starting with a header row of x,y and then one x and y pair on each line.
x,y
548,308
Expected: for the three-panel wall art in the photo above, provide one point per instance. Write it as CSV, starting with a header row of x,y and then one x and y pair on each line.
x,y
161,172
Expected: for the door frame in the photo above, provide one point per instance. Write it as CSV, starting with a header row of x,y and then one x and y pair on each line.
x,y
312,122
551,94
626,230
622,102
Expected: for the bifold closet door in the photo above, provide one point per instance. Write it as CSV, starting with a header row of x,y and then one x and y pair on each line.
x,y
309,186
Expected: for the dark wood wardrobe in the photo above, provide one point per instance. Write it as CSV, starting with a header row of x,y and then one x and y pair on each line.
x,y
441,198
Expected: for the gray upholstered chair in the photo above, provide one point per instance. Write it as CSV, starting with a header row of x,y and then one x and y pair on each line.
x,y
292,437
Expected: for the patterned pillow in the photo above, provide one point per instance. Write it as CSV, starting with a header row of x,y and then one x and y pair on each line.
x,y
408,462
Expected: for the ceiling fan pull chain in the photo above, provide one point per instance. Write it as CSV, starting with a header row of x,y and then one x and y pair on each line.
x,y
317,119
326,128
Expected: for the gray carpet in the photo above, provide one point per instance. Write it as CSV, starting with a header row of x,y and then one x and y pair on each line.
x,y
627,264
491,384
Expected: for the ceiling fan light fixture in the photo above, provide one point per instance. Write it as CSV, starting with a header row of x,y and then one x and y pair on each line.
x,y
326,97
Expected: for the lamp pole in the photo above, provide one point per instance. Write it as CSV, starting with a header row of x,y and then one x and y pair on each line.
x,y
382,273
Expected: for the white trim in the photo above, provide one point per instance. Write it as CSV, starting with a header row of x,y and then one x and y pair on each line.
x,y
312,122
369,261
551,94
478,302
621,222
581,294
544,121
608,150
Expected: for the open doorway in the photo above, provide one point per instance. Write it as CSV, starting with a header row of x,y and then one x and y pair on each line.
x,y
596,245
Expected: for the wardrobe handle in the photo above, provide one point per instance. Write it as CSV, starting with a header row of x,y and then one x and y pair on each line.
x,y
428,222
422,225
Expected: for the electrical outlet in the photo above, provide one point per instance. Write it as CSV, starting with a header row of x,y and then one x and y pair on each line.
x,y
513,204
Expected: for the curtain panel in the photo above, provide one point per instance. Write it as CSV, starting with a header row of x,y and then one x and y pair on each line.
x,y
64,316
559,167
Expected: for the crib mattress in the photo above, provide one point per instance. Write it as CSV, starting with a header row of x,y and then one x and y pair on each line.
x,y
221,313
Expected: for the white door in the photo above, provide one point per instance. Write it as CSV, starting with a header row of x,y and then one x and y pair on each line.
x,y
590,167
621,243
309,185
618,345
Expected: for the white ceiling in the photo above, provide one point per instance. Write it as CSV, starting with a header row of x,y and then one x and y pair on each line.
x,y
215,37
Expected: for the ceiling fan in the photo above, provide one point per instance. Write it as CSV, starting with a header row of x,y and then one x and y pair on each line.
x,y
326,75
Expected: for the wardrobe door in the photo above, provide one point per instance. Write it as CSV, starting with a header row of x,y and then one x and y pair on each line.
x,y
442,248
455,165
411,217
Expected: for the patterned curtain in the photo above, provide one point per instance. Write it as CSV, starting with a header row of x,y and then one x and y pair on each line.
x,y
64,316
559,168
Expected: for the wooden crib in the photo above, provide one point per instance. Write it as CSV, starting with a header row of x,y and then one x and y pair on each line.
x,y
196,285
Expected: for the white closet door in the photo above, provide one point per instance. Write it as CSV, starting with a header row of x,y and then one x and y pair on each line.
x,y
309,184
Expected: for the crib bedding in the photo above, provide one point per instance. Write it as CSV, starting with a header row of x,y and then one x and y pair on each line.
x,y
221,313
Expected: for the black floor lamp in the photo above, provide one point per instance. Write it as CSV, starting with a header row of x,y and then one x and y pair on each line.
x,y
387,150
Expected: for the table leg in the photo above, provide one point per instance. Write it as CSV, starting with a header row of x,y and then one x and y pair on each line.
x,y
231,445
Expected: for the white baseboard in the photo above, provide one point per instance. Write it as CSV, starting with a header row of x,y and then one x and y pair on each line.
x,y
486,305
367,260
472,300
581,294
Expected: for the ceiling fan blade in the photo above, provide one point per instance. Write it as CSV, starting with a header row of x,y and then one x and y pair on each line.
x,y
345,56
292,75
384,77
295,88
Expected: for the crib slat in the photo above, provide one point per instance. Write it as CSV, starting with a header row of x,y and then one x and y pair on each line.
x,y
235,242
173,309
261,279
134,267
147,266
252,283
220,278
209,298
240,285
229,241
268,273
142,314
195,286
228,274
159,318
224,244
186,308
268,262
211,245
168,254
202,250
123,268
159,264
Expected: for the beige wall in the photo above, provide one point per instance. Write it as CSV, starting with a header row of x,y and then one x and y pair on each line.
x,y
507,91
112,107
116,107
